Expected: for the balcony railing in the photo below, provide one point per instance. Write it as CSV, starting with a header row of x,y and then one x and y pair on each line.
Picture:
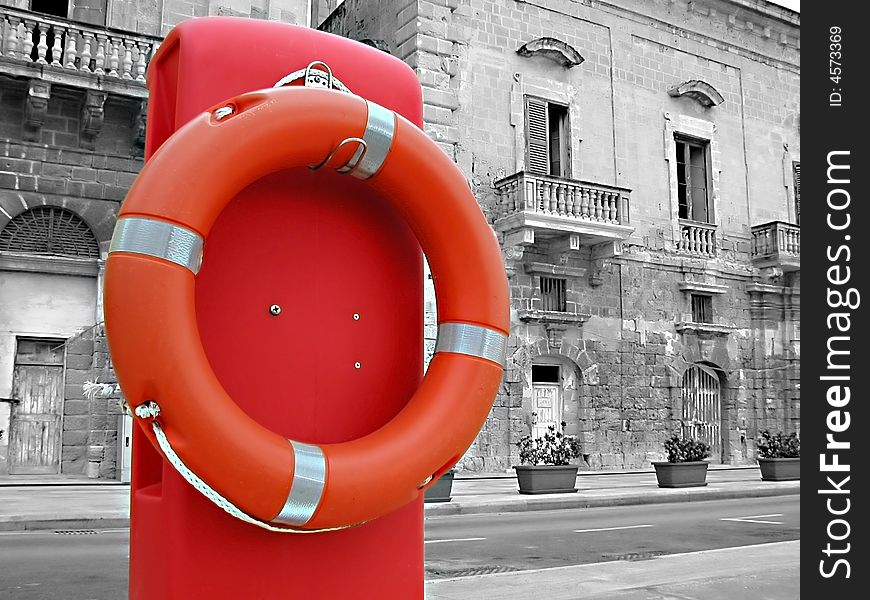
x,y
697,238
40,40
777,244
599,212
563,197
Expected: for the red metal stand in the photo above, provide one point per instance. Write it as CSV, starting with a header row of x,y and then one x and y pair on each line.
x,y
342,357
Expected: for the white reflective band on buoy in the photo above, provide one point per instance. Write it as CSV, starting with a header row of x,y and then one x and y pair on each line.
x,y
306,490
378,136
474,340
159,239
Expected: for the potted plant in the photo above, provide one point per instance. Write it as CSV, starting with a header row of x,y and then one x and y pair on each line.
x,y
441,489
685,466
546,467
779,456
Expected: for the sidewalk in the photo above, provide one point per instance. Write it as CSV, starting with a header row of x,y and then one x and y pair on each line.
x,y
79,504
770,571
476,495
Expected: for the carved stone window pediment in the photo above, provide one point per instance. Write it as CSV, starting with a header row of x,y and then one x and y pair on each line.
x,y
556,50
700,91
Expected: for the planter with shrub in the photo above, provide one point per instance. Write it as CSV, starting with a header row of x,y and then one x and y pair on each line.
x,y
779,456
685,466
546,467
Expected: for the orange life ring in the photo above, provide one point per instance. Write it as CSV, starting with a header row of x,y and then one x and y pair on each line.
x,y
150,276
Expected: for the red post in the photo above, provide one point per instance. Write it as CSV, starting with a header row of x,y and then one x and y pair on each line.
x,y
347,274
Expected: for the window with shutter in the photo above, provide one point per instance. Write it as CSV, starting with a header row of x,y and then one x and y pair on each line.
x,y
536,137
796,170
557,116
547,138
692,180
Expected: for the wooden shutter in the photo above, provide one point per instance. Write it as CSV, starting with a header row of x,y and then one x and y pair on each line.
x,y
538,156
796,167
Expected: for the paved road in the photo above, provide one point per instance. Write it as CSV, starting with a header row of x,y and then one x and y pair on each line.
x,y
52,566
532,540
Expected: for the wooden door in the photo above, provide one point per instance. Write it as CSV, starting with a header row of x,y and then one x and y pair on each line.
x,y
35,420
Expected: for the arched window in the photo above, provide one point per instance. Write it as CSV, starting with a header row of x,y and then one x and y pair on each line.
x,y
702,407
49,230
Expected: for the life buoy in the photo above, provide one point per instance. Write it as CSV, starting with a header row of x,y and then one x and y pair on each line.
x,y
150,276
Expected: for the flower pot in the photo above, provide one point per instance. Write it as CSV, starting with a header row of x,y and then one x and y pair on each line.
x,y
780,469
679,475
546,479
440,490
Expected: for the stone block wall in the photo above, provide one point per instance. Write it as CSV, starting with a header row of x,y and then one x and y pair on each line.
x,y
157,17
629,351
82,157
629,359
90,421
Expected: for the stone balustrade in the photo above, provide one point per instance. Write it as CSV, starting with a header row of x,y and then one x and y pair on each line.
x,y
776,238
697,238
70,46
776,244
557,196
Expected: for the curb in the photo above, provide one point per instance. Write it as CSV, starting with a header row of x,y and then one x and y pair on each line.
x,y
61,524
103,483
444,509
568,502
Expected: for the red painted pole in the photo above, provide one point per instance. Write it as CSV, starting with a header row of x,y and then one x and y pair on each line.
x,y
347,274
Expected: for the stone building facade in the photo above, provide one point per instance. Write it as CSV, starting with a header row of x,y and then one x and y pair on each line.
x,y
639,161
72,120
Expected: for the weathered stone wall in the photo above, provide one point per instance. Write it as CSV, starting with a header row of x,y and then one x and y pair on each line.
x,y
629,351
628,396
57,170
144,16
90,423
57,165
625,354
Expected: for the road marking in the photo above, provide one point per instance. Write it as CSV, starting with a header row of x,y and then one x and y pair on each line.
x,y
454,540
611,528
755,519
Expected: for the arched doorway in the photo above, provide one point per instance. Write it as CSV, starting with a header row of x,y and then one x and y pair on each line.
x,y
702,407
48,290
555,393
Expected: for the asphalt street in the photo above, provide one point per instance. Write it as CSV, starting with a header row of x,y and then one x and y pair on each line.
x,y
476,544
93,565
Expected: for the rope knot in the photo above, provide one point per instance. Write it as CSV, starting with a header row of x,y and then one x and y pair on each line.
x,y
148,410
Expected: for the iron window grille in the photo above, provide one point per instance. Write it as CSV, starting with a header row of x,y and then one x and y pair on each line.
x,y
702,308
553,294
50,231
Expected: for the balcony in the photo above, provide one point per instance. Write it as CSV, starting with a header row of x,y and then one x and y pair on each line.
x,y
546,207
697,239
64,52
777,244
